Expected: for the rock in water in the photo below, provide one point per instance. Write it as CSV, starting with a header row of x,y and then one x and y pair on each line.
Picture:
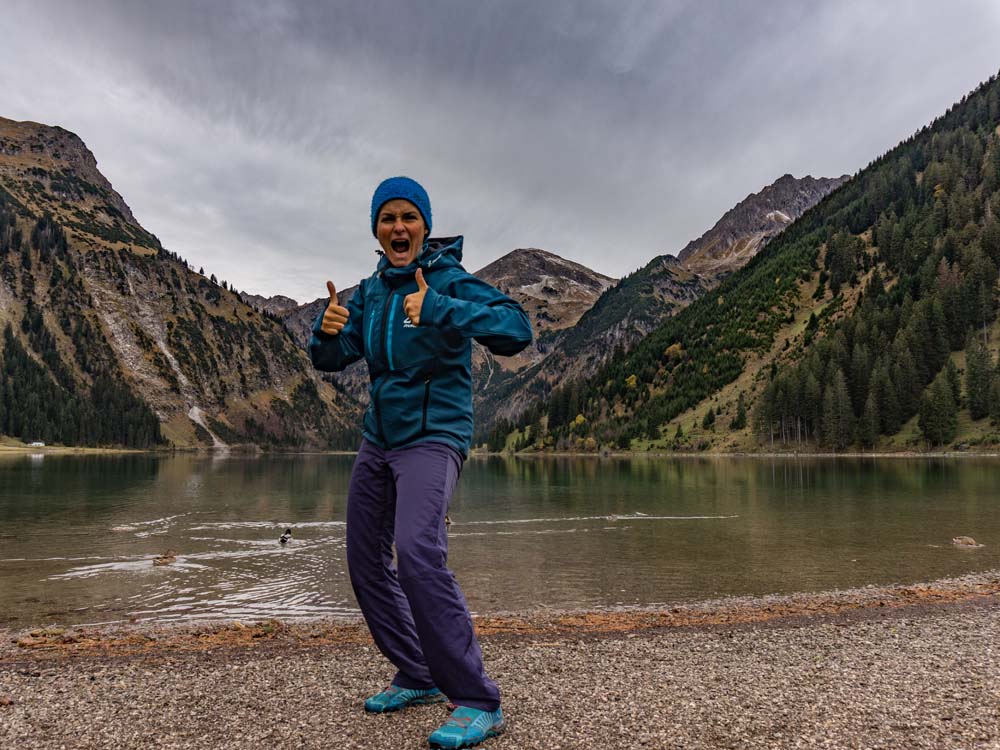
x,y
964,541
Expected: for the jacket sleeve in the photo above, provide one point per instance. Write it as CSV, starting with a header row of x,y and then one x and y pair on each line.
x,y
477,310
334,353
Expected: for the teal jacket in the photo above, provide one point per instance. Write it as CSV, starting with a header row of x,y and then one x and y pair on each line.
x,y
421,376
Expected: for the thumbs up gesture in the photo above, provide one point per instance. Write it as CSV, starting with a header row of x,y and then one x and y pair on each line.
x,y
413,302
335,316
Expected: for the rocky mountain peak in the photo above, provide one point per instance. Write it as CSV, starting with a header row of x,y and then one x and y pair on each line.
x,y
554,291
749,225
52,169
631,308
277,304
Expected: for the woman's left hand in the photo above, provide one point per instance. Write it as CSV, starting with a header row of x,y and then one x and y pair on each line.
x,y
413,302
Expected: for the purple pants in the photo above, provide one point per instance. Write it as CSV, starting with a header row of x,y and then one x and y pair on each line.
x,y
415,610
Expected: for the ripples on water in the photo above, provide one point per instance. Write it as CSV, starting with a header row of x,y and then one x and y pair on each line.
x,y
80,534
226,575
242,572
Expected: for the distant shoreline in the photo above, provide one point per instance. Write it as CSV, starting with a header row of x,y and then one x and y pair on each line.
x,y
63,449
245,450
742,454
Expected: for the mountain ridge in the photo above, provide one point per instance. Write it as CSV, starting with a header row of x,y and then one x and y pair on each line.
x,y
94,306
628,310
870,321
744,229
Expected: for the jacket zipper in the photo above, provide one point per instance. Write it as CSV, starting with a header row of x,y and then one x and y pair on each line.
x,y
385,328
378,413
378,391
427,398
388,335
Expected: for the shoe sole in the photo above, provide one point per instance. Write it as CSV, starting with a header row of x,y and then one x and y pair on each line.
x,y
495,732
417,702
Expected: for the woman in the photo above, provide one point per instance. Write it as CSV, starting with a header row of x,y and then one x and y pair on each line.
x,y
413,321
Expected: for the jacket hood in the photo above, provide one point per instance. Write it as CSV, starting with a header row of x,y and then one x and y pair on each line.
x,y
441,252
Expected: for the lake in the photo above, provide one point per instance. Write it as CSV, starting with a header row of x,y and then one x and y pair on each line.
x,y
78,533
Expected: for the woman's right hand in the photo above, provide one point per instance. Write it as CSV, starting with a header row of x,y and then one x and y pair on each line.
x,y
335,316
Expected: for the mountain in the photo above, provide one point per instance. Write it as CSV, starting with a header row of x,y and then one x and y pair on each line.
x,y
109,339
554,292
744,229
632,308
277,305
870,322
622,315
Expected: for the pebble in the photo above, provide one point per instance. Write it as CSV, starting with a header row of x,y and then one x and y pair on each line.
x,y
927,678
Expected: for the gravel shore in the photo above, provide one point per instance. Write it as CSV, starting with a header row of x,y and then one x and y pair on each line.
x,y
894,667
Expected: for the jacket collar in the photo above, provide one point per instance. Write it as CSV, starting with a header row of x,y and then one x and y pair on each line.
x,y
440,252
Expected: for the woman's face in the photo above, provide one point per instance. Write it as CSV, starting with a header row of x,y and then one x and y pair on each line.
x,y
401,231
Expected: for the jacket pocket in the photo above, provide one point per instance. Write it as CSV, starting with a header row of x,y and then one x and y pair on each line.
x,y
413,345
396,409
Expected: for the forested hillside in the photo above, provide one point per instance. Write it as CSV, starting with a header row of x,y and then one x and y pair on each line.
x,y
45,401
108,339
629,310
853,323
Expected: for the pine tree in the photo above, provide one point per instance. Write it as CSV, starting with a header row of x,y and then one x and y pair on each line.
x,y
995,399
811,327
838,416
954,382
978,370
740,420
905,379
860,377
708,422
938,411
812,402
652,430
888,403
868,425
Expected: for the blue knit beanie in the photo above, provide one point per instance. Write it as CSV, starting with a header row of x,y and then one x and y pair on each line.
x,y
401,187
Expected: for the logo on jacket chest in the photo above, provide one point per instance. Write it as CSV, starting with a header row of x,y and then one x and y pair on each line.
x,y
407,323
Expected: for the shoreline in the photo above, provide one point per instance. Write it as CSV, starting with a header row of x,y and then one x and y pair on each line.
x,y
255,451
137,638
15,450
741,454
908,666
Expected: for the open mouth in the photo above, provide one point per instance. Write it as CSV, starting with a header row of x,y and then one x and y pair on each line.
x,y
401,246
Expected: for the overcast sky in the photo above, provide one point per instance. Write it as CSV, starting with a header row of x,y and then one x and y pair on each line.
x,y
249,136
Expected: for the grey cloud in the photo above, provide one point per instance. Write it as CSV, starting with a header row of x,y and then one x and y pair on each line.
x,y
249,136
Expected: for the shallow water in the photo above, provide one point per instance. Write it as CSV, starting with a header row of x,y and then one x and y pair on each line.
x,y
78,533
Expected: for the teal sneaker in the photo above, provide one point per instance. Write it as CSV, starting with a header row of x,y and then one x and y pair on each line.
x,y
394,698
467,727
